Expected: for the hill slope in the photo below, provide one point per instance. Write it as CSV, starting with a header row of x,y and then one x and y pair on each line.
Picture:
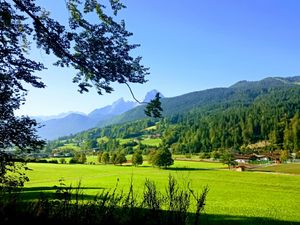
x,y
242,117
243,92
74,122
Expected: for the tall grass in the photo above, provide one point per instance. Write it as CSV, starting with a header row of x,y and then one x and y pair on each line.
x,y
69,206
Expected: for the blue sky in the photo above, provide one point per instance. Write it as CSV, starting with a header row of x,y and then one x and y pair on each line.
x,y
189,45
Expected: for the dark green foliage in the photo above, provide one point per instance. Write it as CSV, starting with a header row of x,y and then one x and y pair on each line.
x,y
99,157
200,199
62,161
162,158
215,155
79,157
228,158
113,158
137,158
120,158
105,158
99,52
284,155
153,108
12,174
297,155
15,71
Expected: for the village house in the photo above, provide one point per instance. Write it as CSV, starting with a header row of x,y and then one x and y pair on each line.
x,y
272,157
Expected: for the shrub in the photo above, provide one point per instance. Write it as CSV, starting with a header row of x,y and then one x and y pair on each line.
x,y
79,157
284,155
53,161
204,155
137,158
228,159
162,158
99,157
105,158
73,161
113,158
121,158
215,155
62,161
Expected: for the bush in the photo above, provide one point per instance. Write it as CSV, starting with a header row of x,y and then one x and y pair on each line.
x,y
73,161
62,161
121,158
99,157
79,157
105,158
204,155
215,155
113,158
284,155
137,158
228,158
53,161
41,161
297,156
162,158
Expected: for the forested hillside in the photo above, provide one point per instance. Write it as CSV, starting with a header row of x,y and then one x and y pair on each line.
x,y
238,117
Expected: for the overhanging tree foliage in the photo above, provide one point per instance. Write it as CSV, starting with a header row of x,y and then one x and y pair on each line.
x,y
99,52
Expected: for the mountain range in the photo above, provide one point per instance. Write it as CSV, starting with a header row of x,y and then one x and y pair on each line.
x,y
242,93
73,122
245,113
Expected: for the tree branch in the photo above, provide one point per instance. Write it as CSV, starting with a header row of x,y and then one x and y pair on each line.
x,y
131,92
45,30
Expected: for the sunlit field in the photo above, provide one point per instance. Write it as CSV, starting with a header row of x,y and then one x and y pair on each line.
x,y
231,193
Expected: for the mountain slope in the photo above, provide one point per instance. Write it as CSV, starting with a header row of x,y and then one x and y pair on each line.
x,y
74,122
70,124
246,115
118,107
243,92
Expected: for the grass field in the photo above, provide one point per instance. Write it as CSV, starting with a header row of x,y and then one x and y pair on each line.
x,y
152,141
232,194
291,168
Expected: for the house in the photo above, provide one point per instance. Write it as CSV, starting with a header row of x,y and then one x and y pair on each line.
x,y
251,158
240,168
275,157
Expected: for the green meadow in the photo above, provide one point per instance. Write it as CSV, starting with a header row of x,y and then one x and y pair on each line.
x,y
231,193
290,168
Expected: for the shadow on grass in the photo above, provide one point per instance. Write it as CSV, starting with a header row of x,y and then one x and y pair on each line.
x,y
91,215
211,219
33,193
188,169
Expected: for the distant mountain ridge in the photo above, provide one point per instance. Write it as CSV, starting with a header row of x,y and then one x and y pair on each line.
x,y
70,123
240,93
212,97
58,116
